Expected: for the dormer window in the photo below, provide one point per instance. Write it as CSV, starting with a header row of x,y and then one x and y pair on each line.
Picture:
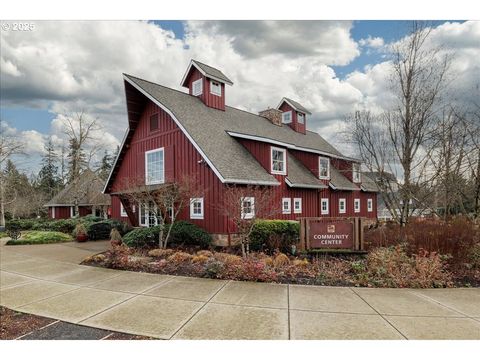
x,y
278,161
197,87
323,168
356,173
301,118
215,88
287,117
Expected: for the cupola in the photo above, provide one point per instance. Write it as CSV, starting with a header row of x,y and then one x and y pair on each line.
x,y
206,83
294,115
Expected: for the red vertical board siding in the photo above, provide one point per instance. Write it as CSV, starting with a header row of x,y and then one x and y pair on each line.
x,y
185,163
209,99
295,125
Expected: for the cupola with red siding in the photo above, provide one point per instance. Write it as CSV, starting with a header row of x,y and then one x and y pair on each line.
x,y
294,115
207,83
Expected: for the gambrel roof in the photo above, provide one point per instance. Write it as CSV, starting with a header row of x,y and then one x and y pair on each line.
x,y
214,133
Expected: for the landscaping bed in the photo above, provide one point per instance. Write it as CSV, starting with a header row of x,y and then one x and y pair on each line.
x,y
40,237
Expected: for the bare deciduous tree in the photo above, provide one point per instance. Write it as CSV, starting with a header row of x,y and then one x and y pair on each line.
x,y
243,205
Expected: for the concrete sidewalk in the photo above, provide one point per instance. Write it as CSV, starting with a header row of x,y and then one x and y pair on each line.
x,y
47,280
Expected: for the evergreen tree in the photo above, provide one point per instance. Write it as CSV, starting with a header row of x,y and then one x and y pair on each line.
x,y
48,179
76,159
106,164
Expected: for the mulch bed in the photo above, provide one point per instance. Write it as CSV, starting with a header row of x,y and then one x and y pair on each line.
x,y
14,324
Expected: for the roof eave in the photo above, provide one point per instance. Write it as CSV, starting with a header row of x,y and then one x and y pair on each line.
x,y
192,63
293,106
304,186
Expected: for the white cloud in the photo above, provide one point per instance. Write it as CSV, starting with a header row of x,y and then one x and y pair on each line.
x,y
376,42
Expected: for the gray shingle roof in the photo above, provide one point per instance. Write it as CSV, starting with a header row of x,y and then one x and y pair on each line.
x,y
300,176
368,184
297,106
214,133
340,182
212,72
87,190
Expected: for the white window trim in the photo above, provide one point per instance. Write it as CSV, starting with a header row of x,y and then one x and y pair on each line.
x,y
356,175
192,214
123,212
249,215
320,158
162,180
72,209
147,215
322,201
297,201
344,201
283,117
289,202
200,92
355,202
219,88
53,212
298,118
284,151
370,205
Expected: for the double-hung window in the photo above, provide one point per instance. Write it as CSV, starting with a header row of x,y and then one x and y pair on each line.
x,y
356,173
215,88
287,117
324,168
286,206
123,212
369,205
324,206
301,118
154,167
356,205
197,87
297,205
278,160
196,208
247,207
147,214
342,206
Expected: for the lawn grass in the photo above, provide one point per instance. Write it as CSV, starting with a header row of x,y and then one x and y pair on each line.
x,y
41,237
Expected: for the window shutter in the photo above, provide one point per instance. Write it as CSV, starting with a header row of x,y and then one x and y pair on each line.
x,y
169,163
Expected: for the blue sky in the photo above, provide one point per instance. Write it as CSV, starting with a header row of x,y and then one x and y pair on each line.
x,y
24,118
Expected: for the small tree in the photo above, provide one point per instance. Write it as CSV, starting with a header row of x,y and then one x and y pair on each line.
x,y
163,202
244,204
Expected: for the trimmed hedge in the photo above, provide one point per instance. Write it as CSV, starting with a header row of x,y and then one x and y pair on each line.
x,y
271,235
32,237
183,233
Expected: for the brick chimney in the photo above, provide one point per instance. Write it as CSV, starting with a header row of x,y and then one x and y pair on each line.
x,y
274,115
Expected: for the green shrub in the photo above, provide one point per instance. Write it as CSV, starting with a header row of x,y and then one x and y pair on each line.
x,y
41,237
99,230
186,233
22,224
271,235
142,237
183,233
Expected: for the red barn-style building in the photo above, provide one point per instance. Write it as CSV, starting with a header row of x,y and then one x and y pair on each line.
x,y
172,134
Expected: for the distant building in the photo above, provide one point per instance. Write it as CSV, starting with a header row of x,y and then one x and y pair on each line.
x,y
86,191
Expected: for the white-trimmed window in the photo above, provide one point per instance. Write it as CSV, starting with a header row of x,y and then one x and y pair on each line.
x,y
196,208
369,205
297,205
197,87
247,207
154,167
286,206
53,212
147,214
73,212
356,173
300,118
356,205
215,88
323,168
342,206
287,117
123,212
324,206
278,158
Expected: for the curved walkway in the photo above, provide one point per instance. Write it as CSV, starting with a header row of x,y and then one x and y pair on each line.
x,y
47,280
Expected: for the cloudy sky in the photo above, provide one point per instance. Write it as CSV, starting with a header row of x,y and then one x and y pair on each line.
x,y
331,67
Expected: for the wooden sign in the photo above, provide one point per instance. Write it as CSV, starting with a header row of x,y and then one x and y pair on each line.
x,y
331,233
